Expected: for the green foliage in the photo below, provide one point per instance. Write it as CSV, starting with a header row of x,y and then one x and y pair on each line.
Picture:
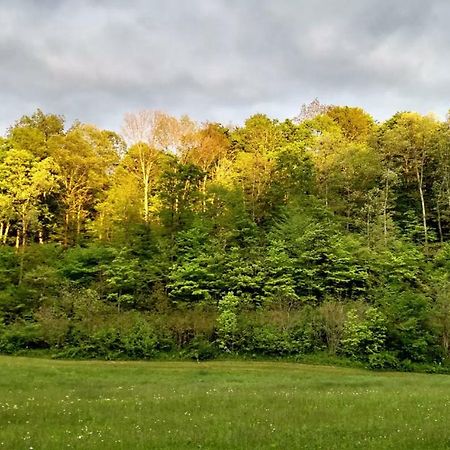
x,y
280,285
364,333
201,349
227,321
322,260
409,332
327,235
84,265
123,279
9,267
19,336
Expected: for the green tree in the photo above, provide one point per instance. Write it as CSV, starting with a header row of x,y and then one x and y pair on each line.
x,y
85,157
410,140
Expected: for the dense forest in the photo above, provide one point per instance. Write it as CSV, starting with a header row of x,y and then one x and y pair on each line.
x,y
327,234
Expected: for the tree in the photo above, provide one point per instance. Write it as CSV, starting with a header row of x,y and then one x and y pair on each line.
x,y
311,110
323,139
294,173
410,139
441,182
85,156
227,324
48,124
355,169
122,208
255,145
144,162
153,134
6,214
24,183
441,316
32,133
123,279
159,130
209,146
355,123
179,192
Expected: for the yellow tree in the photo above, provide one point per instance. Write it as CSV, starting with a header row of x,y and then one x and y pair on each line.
x,y
355,123
24,183
152,134
255,146
86,157
6,214
122,206
143,163
324,140
207,148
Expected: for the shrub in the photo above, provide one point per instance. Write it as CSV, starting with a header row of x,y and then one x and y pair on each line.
x,y
364,334
332,317
140,341
18,336
227,323
383,360
201,349
409,327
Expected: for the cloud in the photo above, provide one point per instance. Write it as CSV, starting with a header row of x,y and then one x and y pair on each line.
x,y
223,59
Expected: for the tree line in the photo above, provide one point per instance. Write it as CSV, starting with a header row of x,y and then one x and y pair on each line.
x,y
325,233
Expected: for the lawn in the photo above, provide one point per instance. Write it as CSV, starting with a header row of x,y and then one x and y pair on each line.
x,y
46,404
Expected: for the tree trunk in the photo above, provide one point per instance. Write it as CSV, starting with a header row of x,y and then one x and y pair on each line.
x,y
419,176
5,234
78,223
385,206
438,210
24,233
146,205
66,230
205,178
348,209
5,231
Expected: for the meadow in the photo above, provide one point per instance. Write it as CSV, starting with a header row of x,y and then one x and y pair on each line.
x,y
46,404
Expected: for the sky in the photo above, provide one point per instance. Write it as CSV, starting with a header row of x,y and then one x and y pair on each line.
x,y
221,60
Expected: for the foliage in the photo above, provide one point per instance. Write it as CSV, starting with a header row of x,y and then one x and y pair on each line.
x,y
328,234
364,334
227,323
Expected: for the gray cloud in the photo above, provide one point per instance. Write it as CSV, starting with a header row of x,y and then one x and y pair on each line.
x,y
221,59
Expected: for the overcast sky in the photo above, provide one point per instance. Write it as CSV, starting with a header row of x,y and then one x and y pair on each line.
x,y
221,60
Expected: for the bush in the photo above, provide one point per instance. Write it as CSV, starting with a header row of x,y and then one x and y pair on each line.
x,y
383,360
200,349
268,340
332,317
140,341
364,333
409,328
19,336
227,323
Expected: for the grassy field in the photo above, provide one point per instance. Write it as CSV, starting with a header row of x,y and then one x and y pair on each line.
x,y
217,405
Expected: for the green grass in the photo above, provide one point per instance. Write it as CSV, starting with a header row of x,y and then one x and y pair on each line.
x,y
47,404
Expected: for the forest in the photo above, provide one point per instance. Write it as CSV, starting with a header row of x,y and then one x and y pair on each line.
x,y
327,234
